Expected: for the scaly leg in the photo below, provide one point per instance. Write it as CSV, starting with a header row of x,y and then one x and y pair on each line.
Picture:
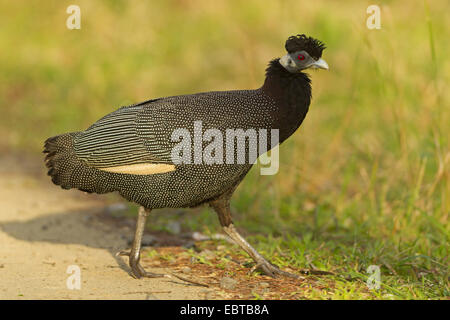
x,y
135,253
222,207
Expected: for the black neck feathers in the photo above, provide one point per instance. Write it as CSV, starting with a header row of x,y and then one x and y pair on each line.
x,y
292,95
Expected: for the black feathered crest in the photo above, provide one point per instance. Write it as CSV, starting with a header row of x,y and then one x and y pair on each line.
x,y
301,42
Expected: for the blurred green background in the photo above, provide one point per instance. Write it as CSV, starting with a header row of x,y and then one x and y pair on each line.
x,y
364,181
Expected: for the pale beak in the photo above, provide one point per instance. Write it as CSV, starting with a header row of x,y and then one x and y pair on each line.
x,y
320,64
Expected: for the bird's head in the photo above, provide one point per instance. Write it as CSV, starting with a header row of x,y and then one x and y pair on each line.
x,y
303,53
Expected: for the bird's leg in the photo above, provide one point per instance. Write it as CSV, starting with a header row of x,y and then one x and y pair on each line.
x,y
135,253
222,207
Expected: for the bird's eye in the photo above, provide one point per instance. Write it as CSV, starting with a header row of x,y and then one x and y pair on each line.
x,y
301,57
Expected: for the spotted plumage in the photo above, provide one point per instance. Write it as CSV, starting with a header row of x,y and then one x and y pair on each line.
x,y
129,150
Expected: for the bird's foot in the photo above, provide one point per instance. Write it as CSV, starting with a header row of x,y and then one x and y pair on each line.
x,y
137,271
269,269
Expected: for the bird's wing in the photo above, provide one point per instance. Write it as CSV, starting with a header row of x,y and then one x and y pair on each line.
x,y
138,138
116,143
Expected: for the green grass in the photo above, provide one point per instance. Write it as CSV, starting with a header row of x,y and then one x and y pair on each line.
x,y
365,181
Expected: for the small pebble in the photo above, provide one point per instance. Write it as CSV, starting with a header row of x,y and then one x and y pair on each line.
x,y
228,283
186,270
197,236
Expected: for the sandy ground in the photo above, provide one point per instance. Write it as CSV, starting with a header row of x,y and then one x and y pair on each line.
x,y
44,230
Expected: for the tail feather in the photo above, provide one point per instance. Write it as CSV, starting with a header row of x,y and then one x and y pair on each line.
x,y
69,171
60,159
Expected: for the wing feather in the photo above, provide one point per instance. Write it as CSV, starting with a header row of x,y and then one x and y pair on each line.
x,y
114,141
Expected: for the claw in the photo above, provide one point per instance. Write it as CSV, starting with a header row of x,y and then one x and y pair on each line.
x,y
137,271
263,266
122,253
272,271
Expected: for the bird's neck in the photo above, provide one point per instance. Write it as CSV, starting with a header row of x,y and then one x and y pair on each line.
x,y
292,95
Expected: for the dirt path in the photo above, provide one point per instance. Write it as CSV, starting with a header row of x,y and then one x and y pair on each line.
x,y
44,230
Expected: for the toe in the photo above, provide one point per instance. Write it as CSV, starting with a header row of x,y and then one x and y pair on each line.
x,y
123,253
153,275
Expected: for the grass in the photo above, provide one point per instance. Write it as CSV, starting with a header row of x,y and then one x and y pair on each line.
x,y
365,181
